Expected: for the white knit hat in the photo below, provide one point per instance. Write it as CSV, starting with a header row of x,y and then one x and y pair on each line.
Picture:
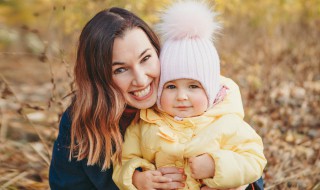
x,y
187,29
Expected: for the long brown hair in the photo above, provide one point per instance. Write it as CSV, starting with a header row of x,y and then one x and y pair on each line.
x,y
99,103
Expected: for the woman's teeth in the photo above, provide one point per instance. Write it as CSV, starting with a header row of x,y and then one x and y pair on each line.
x,y
143,92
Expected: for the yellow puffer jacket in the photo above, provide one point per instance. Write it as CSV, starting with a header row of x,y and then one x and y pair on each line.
x,y
158,140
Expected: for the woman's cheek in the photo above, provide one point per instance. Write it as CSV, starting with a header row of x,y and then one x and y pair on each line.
x,y
156,69
121,81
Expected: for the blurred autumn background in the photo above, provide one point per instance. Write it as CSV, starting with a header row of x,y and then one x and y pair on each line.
x,y
269,47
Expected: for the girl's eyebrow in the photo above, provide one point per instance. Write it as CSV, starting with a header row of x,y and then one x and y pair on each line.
x,y
194,83
122,63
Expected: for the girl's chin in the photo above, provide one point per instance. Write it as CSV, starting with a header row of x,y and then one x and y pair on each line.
x,y
184,115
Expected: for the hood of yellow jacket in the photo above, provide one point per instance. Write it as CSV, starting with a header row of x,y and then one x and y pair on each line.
x,y
231,104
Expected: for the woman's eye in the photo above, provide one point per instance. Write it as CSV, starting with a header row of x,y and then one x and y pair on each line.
x,y
119,70
194,86
145,58
171,86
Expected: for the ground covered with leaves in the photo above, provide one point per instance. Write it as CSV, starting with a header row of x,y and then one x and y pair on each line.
x,y
278,72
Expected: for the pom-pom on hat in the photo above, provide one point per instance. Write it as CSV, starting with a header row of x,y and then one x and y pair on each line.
x,y
186,29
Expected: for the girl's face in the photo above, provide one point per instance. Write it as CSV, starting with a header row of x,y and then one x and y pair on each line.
x,y
184,98
136,68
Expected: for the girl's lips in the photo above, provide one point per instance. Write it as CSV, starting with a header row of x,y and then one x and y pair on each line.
x,y
182,107
143,94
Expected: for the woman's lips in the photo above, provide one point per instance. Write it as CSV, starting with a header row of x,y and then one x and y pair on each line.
x,y
144,93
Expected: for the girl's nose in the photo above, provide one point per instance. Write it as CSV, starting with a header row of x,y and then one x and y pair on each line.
x,y
182,95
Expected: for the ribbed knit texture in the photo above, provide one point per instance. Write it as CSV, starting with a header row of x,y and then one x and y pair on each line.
x,y
195,59
188,52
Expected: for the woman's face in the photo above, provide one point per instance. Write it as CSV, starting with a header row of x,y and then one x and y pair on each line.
x,y
136,68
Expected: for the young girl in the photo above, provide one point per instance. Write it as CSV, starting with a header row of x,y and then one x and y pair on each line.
x,y
192,103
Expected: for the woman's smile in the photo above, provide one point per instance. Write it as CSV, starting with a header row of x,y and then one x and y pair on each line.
x,y
143,94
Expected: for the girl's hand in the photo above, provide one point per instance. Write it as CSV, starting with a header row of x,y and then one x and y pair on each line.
x,y
202,166
153,179
239,188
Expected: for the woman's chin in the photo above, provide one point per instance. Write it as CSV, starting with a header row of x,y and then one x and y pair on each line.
x,y
142,103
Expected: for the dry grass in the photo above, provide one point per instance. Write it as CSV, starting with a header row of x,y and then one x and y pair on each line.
x,y
277,71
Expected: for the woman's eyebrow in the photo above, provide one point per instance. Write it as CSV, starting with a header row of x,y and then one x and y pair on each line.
x,y
141,54
117,63
122,63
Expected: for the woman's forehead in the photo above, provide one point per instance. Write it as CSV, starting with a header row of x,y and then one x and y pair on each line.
x,y
131,45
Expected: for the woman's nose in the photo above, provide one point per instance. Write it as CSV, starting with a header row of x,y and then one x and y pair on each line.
x,y
140,78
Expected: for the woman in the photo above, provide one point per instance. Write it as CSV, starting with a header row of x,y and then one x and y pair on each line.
x,y
116,73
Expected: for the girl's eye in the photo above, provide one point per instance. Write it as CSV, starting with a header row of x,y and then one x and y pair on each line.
x,y
170,86
145,58
119,70
194,86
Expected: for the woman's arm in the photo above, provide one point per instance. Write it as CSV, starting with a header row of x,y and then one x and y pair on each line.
x,y
65,174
